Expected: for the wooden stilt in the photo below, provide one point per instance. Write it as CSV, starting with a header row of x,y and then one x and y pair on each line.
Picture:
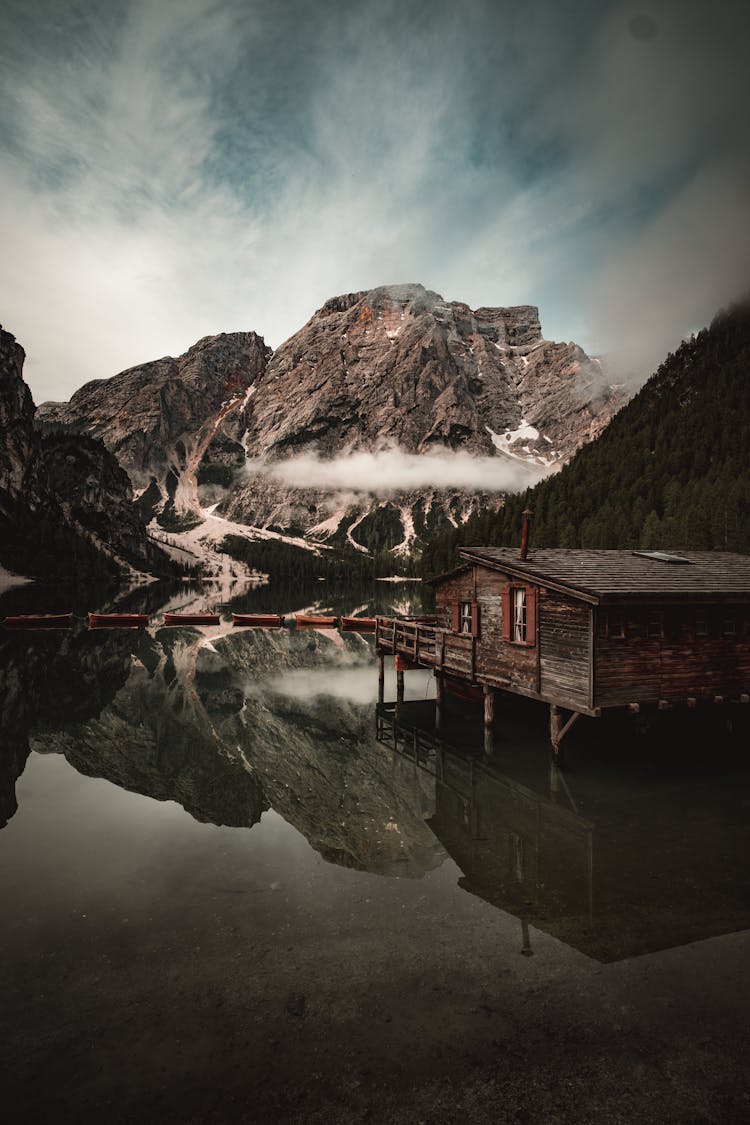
x,y
489,706
439,701
381,677
399,685
555,726
558,728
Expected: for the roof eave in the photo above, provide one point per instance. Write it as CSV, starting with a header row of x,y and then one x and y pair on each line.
x,y
510,566
447,574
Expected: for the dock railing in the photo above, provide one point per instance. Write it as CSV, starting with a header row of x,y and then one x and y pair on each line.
x,y
428,645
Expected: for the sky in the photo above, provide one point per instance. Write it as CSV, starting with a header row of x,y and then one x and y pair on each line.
x,y
175,169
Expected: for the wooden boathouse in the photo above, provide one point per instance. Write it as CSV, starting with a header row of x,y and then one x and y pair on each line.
x,y
583,631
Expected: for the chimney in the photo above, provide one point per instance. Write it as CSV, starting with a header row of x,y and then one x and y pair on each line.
x,y
527,514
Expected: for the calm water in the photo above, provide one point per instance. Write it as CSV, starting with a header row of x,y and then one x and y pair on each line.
x,y
214,840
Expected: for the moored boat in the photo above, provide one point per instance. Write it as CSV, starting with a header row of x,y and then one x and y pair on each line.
x,y
39,621
258,620
315,621
192,619
358,624
118,620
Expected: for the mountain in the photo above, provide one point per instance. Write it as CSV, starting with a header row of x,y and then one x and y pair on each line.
x,y
66,506
672,470
399,366
164,419
232,429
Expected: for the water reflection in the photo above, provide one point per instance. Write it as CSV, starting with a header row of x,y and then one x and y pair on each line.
x,y
608,862
617,858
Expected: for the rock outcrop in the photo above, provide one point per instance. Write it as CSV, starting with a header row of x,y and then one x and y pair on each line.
x,y
19,444
399,366
168,419
66,506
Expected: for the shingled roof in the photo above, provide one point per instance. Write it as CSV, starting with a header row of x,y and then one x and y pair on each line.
x,y
596,576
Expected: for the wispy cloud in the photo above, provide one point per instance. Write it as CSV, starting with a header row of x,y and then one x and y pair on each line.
x,y
197,166
389,471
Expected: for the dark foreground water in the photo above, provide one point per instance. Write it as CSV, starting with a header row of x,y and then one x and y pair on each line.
x,y
234,889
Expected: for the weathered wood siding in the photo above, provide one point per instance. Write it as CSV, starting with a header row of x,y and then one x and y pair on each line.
x,y
501,661
564,648
492,660
458,588
679,665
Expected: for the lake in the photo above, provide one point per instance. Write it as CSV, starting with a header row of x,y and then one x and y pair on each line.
x,y
235,888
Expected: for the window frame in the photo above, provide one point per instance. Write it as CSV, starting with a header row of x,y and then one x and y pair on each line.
x,y
466,618
509,614
520,618
615,616
459,617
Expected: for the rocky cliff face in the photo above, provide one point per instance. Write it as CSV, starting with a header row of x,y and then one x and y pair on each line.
x,y
19,445
397,370
65,503
399,366
167,419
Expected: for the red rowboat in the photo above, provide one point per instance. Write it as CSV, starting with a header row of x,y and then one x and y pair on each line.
x,y
258,620
312,621
358,624
118,620
39,621
192,619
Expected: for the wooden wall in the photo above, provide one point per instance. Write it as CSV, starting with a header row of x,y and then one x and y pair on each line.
x,y
497,659
680,664
494,659
565,649
575,663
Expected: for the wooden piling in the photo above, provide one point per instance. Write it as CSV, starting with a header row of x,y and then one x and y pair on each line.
x,y
399,683
439,700
489,706
381,677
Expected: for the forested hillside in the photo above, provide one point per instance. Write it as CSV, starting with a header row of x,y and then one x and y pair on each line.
x,y
672,469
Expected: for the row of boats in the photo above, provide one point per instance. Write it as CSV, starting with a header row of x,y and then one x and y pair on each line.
x,y
141,620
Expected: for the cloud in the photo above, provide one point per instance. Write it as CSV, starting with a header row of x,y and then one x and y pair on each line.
x,y
389,471
175,170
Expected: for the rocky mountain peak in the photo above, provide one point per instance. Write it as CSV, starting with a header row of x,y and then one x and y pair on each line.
x,y
401,366
160,418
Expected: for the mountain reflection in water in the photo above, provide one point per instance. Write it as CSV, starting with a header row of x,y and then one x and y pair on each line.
x,y
622,856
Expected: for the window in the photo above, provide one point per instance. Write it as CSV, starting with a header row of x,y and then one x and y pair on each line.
x,y
519,614
654,625
465,618
615,625
729,627
701,625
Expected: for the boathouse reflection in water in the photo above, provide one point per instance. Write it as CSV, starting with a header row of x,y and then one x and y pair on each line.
x,y
659,865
